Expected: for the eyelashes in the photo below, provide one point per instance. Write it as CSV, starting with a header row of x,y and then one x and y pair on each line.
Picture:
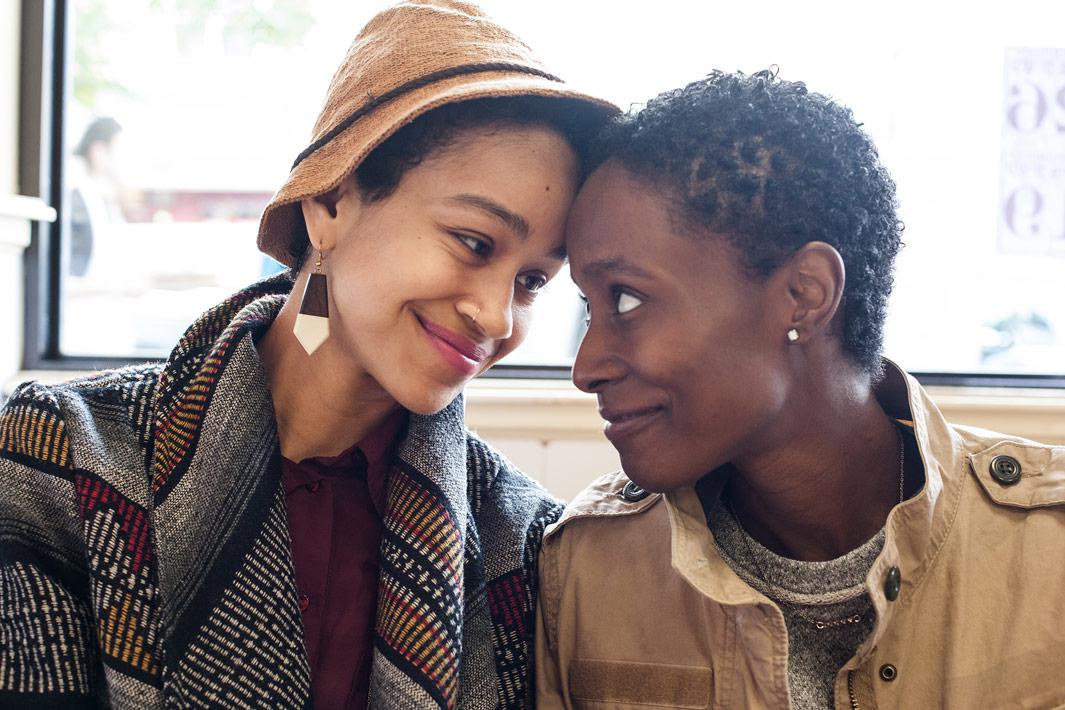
x,y
532,282
479,247
624,301
482,248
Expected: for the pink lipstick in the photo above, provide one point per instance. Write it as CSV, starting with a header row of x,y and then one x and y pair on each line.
x,y
463,354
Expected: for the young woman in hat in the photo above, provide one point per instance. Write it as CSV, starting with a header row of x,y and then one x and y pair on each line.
x,y
290,510
818,535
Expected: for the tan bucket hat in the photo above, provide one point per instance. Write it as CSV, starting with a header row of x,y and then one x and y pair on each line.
x,y
408,59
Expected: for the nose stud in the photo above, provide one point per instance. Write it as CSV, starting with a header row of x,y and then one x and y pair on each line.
x,y
468,310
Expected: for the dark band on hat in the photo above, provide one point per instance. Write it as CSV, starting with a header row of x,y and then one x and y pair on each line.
x,y
418,83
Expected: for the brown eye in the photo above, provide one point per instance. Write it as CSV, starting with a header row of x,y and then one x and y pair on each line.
x,y
532,282
480,247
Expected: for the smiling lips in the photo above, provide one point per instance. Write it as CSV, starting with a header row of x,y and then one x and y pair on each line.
x,y
463,354
622,423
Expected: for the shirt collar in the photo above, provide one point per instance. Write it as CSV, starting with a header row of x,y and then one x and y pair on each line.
x,y
370,458
379,447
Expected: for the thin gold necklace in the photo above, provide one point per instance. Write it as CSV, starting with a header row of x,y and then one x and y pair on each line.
x,y
821,624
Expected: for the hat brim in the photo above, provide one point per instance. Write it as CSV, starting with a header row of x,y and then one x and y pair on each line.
x,y
326,168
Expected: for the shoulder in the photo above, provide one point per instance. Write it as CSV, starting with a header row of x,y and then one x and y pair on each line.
x,y
38,507
608,527
609,498
1014,472
120,386
33,429
498,488
40,422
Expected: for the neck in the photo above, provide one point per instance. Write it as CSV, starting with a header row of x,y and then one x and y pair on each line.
x,y
830,482
325,403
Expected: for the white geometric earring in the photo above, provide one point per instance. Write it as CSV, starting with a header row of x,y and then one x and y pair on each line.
x,y
312,322
793,335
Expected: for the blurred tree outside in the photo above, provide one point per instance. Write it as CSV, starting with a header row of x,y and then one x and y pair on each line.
x,y
243,24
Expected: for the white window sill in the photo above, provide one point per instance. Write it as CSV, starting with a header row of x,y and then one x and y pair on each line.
x,y
549,410
28,208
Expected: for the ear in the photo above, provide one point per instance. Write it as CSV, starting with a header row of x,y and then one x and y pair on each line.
x,y
815,279
326,215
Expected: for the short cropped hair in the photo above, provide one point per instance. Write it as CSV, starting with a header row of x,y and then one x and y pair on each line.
x,y
772,166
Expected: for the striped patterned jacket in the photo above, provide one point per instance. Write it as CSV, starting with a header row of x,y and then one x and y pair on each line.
x,y
144,546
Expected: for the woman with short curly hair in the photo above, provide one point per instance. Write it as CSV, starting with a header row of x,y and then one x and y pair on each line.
x,y
796,525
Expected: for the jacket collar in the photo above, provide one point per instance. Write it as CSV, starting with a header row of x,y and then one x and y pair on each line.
x,y
915,529
191,374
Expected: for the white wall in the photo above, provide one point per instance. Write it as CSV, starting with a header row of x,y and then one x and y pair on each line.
x,y
553,432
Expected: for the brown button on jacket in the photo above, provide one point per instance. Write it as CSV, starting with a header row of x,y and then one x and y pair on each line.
x,y
637,610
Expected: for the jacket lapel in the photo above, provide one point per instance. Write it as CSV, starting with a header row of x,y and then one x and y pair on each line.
x,y
231,626
421,605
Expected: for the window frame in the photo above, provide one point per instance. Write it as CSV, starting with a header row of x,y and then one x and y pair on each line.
x,y
45,84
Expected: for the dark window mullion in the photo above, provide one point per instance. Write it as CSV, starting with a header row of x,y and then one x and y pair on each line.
x,y
61,93
41,109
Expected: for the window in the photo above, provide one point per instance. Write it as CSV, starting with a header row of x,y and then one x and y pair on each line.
x,y
205,103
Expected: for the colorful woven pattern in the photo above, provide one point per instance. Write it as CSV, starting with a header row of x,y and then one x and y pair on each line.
x,y
185,391
53,658
421,627
122,585
32,430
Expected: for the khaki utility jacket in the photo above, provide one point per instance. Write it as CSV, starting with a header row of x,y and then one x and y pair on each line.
x,y
637,610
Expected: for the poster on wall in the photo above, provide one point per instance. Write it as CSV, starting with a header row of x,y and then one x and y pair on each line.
x,y
1032,199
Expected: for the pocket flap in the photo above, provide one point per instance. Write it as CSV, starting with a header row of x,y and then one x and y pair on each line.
x,y
635,683
1022,475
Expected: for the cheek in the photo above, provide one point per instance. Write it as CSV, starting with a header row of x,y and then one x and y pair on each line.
x,y
734,393
522,317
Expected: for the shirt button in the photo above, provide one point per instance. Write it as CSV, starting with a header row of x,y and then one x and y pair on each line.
x,y
888,672
892,582
1006,470
305,602
633,493
313,487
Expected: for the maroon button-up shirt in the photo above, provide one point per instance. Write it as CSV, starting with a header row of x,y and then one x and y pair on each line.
x,y
335,509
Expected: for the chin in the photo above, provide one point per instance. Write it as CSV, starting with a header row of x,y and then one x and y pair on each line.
x,y
652,474
428,400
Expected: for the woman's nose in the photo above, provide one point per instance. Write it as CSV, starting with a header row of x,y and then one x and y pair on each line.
x,y
597,363
491,311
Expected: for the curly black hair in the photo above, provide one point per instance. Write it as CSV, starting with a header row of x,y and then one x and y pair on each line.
x,y
772,166
379,174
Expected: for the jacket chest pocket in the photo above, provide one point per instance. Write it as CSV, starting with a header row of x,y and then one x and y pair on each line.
x,y
595,683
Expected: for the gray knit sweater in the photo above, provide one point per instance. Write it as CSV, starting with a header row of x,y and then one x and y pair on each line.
x,y
805,592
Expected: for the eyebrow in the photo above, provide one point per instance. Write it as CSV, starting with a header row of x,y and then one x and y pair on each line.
x,y
615,264
513,221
